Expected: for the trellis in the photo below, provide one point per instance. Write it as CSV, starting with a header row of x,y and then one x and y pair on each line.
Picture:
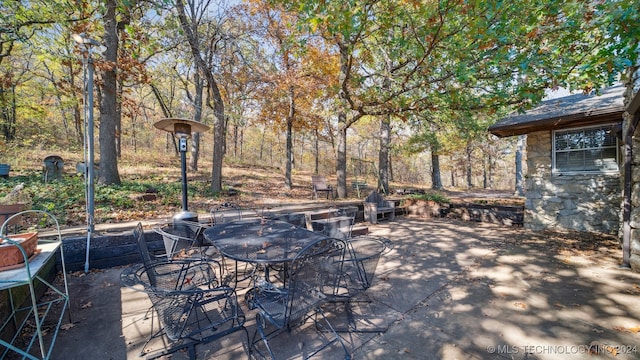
x,y
362,171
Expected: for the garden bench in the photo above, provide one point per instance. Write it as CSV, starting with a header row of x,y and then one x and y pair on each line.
x,y
358,186
375,204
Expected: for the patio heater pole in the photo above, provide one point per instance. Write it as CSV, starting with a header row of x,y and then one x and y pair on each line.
x,y
182,145
182,128
88,46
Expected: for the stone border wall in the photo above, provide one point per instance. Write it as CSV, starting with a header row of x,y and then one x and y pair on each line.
x,y
590,202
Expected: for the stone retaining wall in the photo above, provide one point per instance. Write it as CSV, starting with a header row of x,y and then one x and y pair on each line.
x,y
589,202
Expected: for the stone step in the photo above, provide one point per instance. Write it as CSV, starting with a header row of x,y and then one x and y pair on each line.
x,y
359,230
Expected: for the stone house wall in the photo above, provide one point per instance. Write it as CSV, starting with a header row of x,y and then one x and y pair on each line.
x,y
634,223
589,202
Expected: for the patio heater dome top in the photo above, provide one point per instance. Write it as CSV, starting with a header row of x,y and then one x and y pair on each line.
x,y
181,126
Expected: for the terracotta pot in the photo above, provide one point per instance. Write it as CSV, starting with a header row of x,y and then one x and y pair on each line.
x,y
11,255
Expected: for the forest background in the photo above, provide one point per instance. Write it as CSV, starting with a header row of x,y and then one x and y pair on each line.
x,y
386,91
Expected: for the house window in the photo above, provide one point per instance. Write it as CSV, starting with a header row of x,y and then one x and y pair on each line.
x,y
592,149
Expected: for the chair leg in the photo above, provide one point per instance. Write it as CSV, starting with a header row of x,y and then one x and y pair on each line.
x,y
347,354
260,330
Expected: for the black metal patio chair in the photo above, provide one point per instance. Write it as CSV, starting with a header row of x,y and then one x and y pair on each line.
x,y
226,212
312,276
183,238
191,305
358,273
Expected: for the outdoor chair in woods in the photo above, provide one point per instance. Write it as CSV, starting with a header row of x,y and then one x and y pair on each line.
x,y
320,185
190,304
312,276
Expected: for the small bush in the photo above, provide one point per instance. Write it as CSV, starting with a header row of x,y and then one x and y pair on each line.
x,y
440,199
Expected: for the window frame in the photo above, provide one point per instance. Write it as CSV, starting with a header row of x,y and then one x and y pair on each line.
x,y
556,171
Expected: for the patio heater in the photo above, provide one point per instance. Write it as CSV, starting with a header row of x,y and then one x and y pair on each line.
x,y
88,47
182,128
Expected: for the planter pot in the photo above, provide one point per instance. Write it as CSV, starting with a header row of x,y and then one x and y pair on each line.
x,y
10,254
6,211
4,170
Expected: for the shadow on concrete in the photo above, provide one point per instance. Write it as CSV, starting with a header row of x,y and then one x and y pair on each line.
x,y
447,290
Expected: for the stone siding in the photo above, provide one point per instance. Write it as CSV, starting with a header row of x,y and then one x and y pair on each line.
x,y
634,223
589,202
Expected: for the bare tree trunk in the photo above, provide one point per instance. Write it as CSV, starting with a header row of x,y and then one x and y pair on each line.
x,y
262,139
118,137
8,112
469,168
241,143
289,145
485,174
108,174
317,155
453,179
436,182
383,156
214,100
197,104
235,140
341,161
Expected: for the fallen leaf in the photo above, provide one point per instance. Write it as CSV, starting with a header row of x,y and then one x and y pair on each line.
x,y
87,305
520,305
66,326
624,329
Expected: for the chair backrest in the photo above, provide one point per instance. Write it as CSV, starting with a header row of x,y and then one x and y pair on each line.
x,y
178,288
179,236
226,212
319,182
314,273
345,227
375,198
143,249
360,263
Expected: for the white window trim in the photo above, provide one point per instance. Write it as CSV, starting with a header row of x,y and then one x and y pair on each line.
x,y
555,171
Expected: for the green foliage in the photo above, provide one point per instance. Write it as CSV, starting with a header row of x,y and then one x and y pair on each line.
x,y
58,197
439,198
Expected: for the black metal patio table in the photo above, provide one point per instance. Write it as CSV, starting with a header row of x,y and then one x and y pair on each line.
x,y
260,241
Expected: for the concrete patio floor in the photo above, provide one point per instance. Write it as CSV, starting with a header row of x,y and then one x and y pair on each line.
x,y
447,290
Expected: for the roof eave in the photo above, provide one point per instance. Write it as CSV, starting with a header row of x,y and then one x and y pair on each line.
x,y
593,117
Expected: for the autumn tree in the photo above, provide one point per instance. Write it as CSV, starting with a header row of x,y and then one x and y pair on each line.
x,y
20,21
206,66
297,75
465,56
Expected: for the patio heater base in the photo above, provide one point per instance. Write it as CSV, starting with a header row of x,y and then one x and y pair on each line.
x,y
185,216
